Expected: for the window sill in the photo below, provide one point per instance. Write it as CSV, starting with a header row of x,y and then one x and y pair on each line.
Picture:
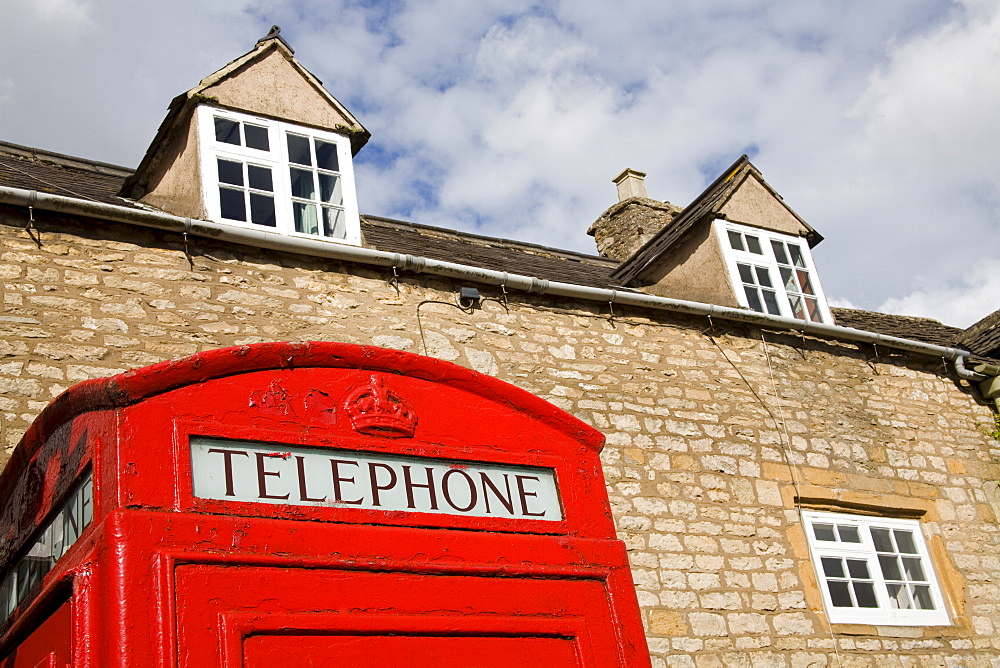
x,y
958,628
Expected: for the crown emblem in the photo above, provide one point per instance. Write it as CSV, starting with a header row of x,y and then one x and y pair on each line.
x,y
377,410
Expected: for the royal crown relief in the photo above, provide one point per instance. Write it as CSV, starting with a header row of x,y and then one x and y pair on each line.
x,y
377,410
259,472
371,407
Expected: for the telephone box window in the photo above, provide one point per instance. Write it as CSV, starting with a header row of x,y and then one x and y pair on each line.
x,y
48,547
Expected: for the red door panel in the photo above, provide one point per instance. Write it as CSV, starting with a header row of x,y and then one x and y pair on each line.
x,y
260,616
48,645
371,651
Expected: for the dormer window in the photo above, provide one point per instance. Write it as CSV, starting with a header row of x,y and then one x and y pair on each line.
x,y
772,272
267,174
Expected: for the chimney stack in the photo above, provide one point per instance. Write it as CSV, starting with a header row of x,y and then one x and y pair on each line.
x,y
633,220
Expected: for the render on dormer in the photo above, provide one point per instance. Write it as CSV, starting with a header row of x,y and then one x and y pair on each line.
x,y
260,144
738,245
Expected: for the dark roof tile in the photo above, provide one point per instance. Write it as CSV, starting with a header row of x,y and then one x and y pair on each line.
x,y
902,326
514,257
983,337
33,169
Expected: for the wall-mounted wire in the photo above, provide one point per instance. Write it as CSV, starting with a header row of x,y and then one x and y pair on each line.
x,y
420,325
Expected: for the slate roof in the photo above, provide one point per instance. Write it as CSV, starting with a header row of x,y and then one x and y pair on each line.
x,y
983,337
516,257
44,171
903,326
35,169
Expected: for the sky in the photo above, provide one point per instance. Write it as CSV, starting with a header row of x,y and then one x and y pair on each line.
x,y
876,121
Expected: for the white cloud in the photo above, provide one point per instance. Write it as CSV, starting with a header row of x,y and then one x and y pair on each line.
x,y
962,303
63,11
873,120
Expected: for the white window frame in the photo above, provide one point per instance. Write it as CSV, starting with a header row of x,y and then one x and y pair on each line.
x,y
767,260
276,158
885,614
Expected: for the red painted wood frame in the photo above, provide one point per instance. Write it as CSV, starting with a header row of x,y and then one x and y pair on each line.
x,y
163,577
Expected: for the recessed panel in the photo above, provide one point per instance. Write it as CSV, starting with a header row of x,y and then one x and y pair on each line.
x,y
413,651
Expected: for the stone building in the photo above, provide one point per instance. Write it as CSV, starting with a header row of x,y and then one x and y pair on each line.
x,y
796,485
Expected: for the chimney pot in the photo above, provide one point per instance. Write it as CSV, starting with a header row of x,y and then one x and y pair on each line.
x,y
631,183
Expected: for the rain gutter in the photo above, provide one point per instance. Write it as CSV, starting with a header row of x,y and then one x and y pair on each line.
x,y
530,284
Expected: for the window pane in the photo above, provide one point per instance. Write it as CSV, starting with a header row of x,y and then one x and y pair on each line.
x,y
326,156
763,277
753,245
840,594
849,534
735,240
890,567
771,299
858,568
796,304
298,150
899,597
232,204
864,593
824,532
256,137
833,568
227,131
334,223
753,299
796,254
23,579
922,597
804,281
812,306
230,172
746,275
329,189
259,178
913,569
787,280
5,597
882,540
904,540
262,210
305,218
302,183
779,252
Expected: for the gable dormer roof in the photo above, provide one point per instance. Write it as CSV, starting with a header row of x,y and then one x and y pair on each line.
x,y
267,81
709,205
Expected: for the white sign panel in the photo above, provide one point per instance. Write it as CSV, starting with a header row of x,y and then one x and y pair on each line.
x,y
266,473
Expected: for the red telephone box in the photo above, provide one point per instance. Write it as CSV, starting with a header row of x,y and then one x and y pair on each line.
x,y
310,504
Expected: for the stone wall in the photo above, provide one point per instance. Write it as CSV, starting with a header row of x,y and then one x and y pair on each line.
x,y
713,432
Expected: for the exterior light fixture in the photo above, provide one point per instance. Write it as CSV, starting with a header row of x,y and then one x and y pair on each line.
x,y
468,297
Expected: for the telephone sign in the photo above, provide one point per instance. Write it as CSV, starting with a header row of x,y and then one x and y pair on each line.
x,y
281,474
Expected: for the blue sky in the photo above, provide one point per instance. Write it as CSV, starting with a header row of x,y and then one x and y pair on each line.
x,y
876,121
